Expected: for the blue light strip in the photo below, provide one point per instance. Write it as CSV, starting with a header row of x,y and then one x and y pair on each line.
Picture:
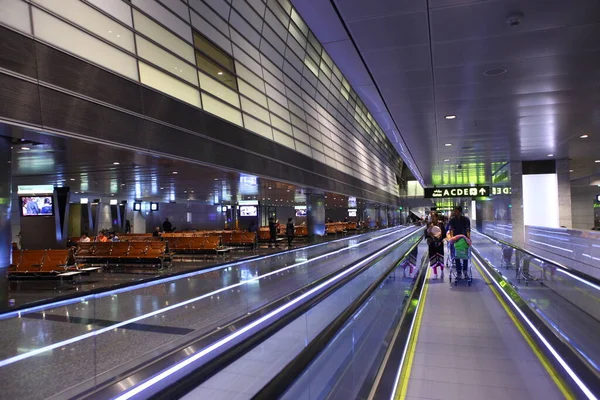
x,y
177,367
551,349
19,313
75,339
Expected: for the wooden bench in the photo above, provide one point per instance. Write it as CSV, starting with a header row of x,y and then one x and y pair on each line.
x,y
38,264
122,253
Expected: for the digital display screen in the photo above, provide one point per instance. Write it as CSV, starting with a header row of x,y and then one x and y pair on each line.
x,y
137,206
153,206
351,202
36,206
301,213
352,212
248,211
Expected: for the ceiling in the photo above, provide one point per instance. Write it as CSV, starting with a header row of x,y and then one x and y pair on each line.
x,y
101,171
524,92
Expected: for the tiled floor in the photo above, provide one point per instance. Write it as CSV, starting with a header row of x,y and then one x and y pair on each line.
x,y
468,348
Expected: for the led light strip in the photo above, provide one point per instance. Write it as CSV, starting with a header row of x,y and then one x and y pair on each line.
x,y
83,298
32,353
557,356
157,378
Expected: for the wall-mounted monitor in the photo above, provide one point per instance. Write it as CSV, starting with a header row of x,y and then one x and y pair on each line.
x,y
352,212
248,211
352,202
114,202
137,206
301,212
153,206
36,206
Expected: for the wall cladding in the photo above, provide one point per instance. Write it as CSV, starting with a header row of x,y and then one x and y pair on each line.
x,y
288,90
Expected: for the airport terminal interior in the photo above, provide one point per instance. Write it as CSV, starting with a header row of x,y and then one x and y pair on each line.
x,y
299,199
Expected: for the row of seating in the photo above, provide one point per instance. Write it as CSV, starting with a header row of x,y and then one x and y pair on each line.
x,y
122,252
49,262
202,244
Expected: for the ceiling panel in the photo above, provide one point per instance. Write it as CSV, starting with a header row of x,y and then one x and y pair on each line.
x,y
359,9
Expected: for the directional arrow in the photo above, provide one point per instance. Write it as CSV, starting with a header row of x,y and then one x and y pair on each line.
x,y
482,192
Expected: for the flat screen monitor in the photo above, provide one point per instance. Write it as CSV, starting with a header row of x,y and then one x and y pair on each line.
x,y
352,212
301,212
248,211
36,206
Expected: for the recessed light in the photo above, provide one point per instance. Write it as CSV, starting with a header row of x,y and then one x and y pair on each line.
x,y
597,161
72,179
570,170
116,163
448,144
583,137
446,160
175,172
550,155
25,148
450,116
219,73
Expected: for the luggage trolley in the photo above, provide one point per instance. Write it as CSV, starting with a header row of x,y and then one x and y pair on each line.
x,y
507,253
460,252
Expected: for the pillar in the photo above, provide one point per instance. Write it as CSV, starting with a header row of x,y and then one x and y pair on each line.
x,y
5,228
563,177
516,197
315,214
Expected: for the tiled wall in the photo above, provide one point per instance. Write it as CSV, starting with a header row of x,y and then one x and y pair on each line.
x,y
283,85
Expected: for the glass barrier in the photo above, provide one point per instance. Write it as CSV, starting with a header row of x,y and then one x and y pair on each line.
x,y
72,347
579,250
347,366
566,302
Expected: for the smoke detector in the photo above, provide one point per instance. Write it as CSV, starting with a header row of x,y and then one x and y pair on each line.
x,y
514,19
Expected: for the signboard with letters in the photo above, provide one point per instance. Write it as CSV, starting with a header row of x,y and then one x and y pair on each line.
x,y
496,190
464,191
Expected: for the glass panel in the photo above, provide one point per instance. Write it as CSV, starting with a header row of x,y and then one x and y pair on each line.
x,y
212,33
283,139
299,22
160,35
92,20
281,124
165,17
256,126
222,110
116,8
302,148
215,70
15,14
253,94
166,60
254,109
224,93
250,77
169,85
69,38
212,51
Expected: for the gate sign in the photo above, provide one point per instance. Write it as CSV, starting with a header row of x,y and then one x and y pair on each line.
x,y
465,191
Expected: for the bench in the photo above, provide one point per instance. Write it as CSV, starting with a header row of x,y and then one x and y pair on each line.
x,y
144,253
43,264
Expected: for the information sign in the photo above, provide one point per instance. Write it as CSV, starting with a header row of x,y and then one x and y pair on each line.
x,y
464,191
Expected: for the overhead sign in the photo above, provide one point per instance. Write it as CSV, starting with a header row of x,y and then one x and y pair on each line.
x,y
598,198
465,191
35,189
501,190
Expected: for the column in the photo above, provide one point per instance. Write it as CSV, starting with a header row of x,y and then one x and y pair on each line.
x,y
563,176
5,208
516,197
315,214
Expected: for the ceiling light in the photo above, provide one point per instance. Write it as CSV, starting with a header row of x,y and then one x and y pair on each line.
x,y
550,155
446,160
25,148
448,144
175,172
219,73
597,161
72,179
116,163
583,137
450,116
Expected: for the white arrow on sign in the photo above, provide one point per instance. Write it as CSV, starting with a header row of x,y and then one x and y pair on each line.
x,y
482,191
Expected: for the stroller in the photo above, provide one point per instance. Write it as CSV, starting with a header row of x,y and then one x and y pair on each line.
x,y
460,251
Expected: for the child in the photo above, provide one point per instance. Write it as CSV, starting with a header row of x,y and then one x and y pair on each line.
x,y
435,242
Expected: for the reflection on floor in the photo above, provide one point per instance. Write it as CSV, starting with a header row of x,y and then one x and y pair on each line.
x,y
33,291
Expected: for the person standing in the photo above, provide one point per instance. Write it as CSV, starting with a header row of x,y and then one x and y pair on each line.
x,y
459,227
289,231
434,235
272,231
167,226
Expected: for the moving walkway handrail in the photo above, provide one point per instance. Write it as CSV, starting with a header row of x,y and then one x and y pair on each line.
x,y
285,378
572,271
194,375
